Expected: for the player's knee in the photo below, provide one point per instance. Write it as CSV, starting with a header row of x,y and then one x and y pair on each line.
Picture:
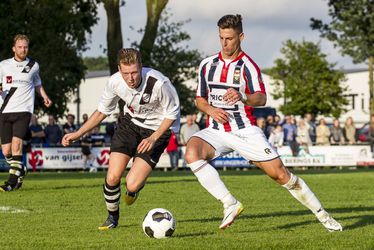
x,y
133,185
113,180
191,155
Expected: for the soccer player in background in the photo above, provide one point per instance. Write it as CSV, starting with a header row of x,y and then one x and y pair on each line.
x,y
19,77
229,86
151,110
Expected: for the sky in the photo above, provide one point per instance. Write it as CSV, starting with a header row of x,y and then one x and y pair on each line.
x,y
267,25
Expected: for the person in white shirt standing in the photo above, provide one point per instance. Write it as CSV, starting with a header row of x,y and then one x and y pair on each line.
x,y
150,112
229,86
19,78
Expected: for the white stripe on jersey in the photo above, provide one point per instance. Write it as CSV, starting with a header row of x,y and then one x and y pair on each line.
x,y
148,107
19,80
216,76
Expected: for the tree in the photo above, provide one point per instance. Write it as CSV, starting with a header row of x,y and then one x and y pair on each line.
x,y
154,10
352,29
57,32
307,82
114,32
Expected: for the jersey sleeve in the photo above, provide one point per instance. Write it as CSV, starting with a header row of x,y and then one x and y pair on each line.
x,y
36,77
202,87
108,100
253,79
169,101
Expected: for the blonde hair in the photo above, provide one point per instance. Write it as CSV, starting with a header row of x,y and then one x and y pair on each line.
x,y
20,37
128,56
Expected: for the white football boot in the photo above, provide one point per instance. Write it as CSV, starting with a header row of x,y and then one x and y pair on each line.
x,y
230,213
328,222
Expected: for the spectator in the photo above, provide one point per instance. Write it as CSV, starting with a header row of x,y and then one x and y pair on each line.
x,y
350,131
270,125
53,133
337,136
261,123
97,138
303,138
86,145
84,118
277,136
188,129
310,124
290,133
69,126
277,120
37,132
323,133
172,150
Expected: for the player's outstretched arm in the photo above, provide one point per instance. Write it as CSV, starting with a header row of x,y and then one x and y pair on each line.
x,y
92,122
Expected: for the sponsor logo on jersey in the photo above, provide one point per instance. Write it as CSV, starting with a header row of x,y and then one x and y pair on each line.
x,y
236,79
146,97
9,79
214,97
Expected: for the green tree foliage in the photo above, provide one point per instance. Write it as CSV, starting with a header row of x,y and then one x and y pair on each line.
x,y
352,29
57,30
174,59
96,63
307,82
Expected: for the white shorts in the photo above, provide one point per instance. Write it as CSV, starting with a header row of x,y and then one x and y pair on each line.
x,y
249,142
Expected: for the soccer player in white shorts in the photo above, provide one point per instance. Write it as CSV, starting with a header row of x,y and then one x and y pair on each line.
x,y
229,86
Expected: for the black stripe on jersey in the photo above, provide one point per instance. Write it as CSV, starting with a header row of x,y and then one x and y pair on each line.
x,y
238,120
29,66
237,72
203,85
8,96
249,78
146,97
212,69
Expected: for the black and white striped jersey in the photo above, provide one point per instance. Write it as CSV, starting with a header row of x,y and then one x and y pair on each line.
x,y
154,100
18,80
217,75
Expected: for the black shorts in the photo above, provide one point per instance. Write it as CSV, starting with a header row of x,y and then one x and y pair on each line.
x,y
127,137
14,125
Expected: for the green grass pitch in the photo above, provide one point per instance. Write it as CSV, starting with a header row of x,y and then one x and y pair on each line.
x,y
63,211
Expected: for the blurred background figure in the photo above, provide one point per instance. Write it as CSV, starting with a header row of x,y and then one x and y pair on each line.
x,y
303,138
37,132
53,133
270,125
69,126
311,125
337,137
323,133
290,133
84,118
276,137
173,151
261,123
350,131
186,131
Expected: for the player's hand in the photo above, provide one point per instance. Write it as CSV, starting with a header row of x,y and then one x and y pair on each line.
x,y
232,96
69,138
219,115
47,102
146,145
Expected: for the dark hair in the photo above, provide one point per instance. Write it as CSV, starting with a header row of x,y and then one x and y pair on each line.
x,y
128,56
231,21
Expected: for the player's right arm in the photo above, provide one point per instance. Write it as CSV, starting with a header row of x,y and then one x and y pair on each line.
x,y
92,122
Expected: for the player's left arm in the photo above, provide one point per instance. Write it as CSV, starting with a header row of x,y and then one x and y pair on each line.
x,y
40,90
170,102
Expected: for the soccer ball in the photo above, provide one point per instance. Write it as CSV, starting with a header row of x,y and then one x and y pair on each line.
x,y
159,223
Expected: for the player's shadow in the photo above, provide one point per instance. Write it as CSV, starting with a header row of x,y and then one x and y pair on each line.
x,y
362,220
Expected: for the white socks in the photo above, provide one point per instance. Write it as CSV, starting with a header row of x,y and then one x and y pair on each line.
x,y
209,178
298,188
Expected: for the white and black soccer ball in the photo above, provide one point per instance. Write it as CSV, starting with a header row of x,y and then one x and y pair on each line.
x,y
159,223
